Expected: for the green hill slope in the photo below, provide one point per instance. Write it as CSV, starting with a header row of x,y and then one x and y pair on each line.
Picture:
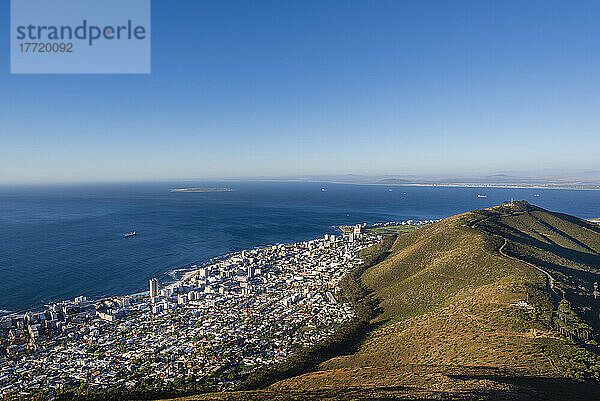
x,y
468,311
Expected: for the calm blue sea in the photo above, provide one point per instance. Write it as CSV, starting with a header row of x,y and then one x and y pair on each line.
x,y
63,241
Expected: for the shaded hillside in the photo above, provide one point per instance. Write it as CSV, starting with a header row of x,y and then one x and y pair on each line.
x,y
566,247
465,314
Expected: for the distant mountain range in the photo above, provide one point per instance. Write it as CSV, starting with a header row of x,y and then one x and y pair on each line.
x,y
584,180
496,180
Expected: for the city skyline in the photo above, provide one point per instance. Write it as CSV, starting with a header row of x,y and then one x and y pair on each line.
x,y
294,89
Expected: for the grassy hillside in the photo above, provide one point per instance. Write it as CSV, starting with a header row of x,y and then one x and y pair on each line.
x,y
566,247
467,311
388,230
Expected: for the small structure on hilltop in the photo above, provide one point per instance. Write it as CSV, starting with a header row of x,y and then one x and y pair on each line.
x,y
511,203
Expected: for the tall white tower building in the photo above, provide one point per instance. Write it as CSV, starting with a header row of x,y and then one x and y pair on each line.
x,y
153,288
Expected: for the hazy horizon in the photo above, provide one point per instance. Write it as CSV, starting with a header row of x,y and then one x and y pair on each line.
x,y
296,89
591,176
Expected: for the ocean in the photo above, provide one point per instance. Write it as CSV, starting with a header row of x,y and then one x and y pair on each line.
x,y
58,242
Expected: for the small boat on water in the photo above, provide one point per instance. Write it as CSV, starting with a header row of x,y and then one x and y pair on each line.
x,y
323,189
481,196
129,235
536,195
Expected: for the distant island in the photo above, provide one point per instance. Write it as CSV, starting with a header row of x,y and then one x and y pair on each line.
x,y
201,190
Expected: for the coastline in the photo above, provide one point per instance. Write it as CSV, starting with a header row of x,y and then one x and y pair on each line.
x,y
191,270
10,307
280,281
446,185
188,271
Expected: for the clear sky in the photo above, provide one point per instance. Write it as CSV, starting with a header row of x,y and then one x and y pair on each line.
x,y
244,88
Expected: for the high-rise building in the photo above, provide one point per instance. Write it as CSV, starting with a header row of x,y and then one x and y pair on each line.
x,y
153,288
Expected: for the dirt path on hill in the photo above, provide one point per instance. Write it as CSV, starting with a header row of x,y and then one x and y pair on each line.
x,y
549,278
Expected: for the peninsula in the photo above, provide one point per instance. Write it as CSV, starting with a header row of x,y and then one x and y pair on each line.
x,y
498,303
209,330
495,304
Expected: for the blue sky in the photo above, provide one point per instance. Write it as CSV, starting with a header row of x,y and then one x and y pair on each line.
x,y
335,87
